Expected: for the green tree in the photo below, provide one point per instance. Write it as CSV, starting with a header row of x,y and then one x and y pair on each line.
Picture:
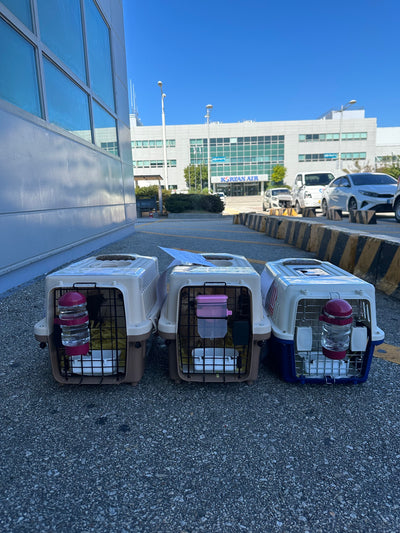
x,y
392,171
196,177
363,166
150,191
278,175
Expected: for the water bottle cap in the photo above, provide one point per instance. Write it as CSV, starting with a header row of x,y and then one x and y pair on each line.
x,y
71,299
339,308
82,349
334,354
337,312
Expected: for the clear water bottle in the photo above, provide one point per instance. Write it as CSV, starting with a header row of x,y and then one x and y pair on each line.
x,y
74,322
336,318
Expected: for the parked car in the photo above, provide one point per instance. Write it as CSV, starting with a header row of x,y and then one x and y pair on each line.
x,y
361,191
396,202
308,187
277,198
222,196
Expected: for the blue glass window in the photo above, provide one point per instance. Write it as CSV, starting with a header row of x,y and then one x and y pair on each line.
x,y
105,130
18,80
67,104
99,51
21,9
61,30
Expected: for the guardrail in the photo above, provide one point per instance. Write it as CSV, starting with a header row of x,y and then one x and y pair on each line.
x,y
375,259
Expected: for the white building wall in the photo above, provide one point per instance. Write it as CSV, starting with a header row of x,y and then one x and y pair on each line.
x,y
290,129
388,142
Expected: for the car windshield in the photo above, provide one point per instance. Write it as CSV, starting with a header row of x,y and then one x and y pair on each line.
x,y
373,179
323,178
275,192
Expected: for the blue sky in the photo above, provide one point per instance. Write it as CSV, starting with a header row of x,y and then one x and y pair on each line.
x,y
263,60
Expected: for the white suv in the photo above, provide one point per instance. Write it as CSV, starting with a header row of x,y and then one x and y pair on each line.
x,y
277,198
308,187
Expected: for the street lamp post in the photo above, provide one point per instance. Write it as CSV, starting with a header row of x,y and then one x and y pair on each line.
x,y
342,108
208,107
164,146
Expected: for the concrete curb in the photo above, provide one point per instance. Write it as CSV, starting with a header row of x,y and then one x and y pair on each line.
x,y
194,215
256,221
375,259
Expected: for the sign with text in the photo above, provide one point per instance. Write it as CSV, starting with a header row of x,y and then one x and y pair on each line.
x,y
239,179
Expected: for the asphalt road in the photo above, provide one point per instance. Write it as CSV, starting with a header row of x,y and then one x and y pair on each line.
x,y
167,457
386,224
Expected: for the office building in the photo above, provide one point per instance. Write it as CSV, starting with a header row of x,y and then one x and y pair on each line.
x,y
243,155
65,153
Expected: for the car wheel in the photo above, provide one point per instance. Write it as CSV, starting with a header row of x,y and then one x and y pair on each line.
x,y
352,204
297,207
324,207
397,210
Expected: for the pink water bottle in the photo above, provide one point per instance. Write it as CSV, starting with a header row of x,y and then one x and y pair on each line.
x,y
336,318
74,322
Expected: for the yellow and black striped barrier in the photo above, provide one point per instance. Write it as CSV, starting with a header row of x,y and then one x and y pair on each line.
x,y
256,221
374,259
362,217
334,214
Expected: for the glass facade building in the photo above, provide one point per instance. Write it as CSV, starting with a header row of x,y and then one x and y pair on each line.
x,y
65,155
243,155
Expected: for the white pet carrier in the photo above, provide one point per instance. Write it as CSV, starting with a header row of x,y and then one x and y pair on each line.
x,y
295,296
213,320
121,295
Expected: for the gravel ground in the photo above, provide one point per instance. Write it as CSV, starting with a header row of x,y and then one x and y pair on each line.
x,y
167,457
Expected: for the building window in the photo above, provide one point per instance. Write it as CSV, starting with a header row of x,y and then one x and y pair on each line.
x,y
22,10
99,52
354,156
155,163
354,136
171,143
105,130
67,104
317,157
320,137
61,31
229,156
19,80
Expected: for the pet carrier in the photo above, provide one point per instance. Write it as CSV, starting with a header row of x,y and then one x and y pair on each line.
x,y
213,321
323,322
120,292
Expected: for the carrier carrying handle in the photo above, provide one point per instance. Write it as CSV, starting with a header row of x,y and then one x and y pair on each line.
x,y
297,262
115,257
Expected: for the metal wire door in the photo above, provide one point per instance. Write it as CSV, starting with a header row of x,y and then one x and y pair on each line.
x,y
227,356
313,363
108,343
